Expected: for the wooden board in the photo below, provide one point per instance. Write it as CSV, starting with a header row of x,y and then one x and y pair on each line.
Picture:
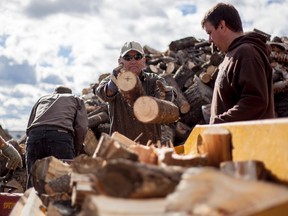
x,y
263,140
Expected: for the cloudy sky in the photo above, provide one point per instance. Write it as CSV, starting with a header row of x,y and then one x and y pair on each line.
x,y
44,43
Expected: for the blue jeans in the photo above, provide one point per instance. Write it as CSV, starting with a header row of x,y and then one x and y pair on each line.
x,y
43,143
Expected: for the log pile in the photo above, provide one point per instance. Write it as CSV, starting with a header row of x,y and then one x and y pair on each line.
x,y
190,66
122,173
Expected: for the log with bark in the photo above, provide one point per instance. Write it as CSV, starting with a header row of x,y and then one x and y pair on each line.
x,y
149,109
128,179
216,142
109,149
48,169
180,100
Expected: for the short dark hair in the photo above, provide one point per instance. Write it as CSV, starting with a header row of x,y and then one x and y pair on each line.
x,y
62,90
226,12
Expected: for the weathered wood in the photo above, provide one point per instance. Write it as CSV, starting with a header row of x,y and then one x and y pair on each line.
x,y
123,139
185,72
217,144
109,149
130,86
128,179
182,43
58,185
207,191
90,142
153,110
47,169
146,154
97,119
29,204
197,95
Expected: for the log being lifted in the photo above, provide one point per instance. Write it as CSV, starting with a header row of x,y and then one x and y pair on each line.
x,y
129,86
153,110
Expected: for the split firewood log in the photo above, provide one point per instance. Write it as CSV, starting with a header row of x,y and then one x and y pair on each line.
x,y
58,185
90,142
109,149
129,86
216,142
128,179
145,154
153,110
29,204
208,191
47,169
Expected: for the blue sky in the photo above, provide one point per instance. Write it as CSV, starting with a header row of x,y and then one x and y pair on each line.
x,y
44,43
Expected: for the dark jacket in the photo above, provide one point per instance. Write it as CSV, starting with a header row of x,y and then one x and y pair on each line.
x,y
62,110
243,88
121,114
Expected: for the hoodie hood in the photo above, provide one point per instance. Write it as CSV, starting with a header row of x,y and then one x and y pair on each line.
x,y
253,38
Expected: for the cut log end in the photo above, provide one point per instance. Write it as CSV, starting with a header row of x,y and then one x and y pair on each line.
x,y
146,109
126,81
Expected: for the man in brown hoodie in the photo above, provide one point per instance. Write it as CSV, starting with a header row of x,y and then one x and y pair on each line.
x,y
243,88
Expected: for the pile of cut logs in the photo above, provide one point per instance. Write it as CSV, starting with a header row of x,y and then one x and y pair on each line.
x,y
122,177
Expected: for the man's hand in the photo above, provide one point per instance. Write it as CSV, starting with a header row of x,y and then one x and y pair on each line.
x,y
14,158
117,70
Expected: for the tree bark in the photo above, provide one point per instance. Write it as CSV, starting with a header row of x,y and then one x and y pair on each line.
x,y
153,110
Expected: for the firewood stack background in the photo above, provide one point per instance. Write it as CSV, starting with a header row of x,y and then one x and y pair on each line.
x,y
191,66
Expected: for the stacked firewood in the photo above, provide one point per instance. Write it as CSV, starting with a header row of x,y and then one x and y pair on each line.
x,y
190,66
121,174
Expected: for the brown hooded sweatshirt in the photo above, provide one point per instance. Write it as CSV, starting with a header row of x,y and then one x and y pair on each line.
x,y
243,88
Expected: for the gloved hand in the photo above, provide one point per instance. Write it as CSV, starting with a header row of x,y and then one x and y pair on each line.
x,y
117,70
111,84
14,158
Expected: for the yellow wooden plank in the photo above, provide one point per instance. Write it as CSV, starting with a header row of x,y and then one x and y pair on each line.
x,y
279,210
264,140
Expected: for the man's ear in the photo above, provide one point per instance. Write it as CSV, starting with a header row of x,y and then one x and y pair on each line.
x,y
222,24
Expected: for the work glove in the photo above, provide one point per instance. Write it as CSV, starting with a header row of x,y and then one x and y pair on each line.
x,y
117,70
111,84
14,158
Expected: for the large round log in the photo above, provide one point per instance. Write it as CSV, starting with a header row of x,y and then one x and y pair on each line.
x,y
153,110
130,86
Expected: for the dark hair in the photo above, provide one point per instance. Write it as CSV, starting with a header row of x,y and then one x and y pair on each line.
x,y
226,12
62,90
